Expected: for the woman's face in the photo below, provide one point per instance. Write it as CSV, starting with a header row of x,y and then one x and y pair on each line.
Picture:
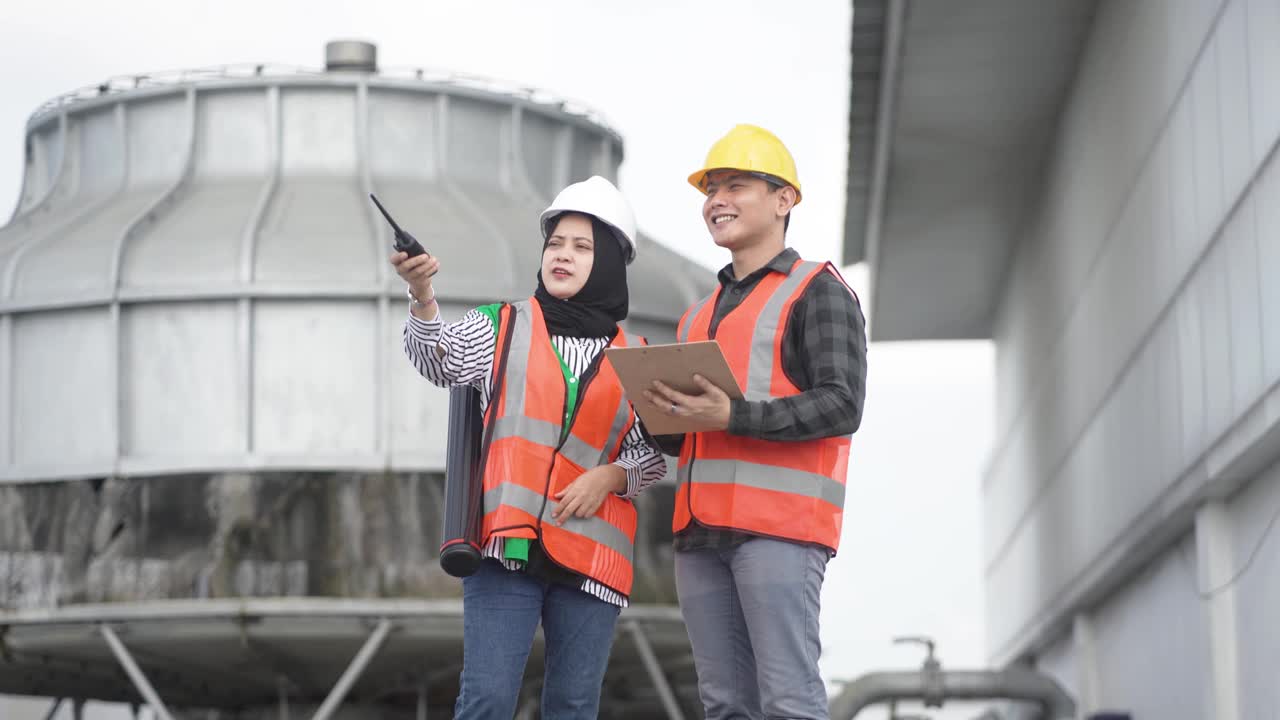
x,y
570,253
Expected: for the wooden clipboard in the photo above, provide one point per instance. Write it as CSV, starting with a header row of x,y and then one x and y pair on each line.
x,y
675,365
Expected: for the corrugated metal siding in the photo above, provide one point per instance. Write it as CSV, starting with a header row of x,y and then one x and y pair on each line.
x,y
1140,323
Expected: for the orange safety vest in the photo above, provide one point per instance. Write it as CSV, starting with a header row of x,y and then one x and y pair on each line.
x,y
787,490
526,461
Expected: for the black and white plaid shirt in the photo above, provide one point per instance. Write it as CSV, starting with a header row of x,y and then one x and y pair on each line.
x,y
824,353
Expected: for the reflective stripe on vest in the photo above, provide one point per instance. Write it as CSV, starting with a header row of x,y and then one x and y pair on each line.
x,y
529,457
682,330
520,497
771,477
790,490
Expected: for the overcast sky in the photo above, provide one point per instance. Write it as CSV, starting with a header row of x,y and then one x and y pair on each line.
x,y
671,77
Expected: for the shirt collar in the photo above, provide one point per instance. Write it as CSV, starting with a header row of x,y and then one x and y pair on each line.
x,y
782,262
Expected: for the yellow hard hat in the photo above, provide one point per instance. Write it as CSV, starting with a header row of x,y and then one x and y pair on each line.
x,y
750,149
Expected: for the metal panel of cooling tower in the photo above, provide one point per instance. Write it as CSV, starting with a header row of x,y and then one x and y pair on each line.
x,y
202,392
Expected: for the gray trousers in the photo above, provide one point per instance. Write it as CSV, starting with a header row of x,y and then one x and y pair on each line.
x,y
752,615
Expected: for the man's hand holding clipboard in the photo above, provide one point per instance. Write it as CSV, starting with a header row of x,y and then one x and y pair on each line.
x,y
677,388
708,409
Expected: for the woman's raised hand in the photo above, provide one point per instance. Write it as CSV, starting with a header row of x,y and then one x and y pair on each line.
x,y
417,272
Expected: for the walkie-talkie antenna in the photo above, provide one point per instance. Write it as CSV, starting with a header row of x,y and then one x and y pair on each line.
x,y
385,214
404,242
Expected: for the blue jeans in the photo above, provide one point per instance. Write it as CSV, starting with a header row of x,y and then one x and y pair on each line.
x,y
500,612
752,616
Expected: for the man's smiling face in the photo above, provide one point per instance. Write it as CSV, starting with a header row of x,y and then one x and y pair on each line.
x,y
741,208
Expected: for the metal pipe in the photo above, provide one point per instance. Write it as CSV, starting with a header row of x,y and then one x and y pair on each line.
x,y
131,232
8,413
248,252
521,183
655,671
562,160
1216,569
1088,680
423,687
282,697
1010,684
379,232
354,671
135,673
60,228
253,609
42,202
508,261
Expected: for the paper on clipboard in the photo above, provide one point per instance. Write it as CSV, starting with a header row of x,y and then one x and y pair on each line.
x,y
675,365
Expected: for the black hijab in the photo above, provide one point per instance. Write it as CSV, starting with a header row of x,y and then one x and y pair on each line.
x,y
596,309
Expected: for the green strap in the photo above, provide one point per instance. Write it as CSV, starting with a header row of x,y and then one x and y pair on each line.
x,y
570,380
513,548
571,393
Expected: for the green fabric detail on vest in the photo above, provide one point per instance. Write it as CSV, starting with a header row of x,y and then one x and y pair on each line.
x,y
491,312
571,394
516,549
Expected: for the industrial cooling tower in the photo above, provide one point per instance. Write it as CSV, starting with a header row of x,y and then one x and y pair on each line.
x,y
220,478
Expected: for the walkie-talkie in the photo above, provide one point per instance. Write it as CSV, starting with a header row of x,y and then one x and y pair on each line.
x,y
404,242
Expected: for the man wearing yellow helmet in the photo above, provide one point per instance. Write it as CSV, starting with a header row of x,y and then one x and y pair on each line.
x,y
760,497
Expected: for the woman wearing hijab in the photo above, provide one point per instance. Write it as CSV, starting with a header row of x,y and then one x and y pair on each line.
x,y
563,455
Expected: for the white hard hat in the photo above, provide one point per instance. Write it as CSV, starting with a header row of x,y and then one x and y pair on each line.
x,y
596,196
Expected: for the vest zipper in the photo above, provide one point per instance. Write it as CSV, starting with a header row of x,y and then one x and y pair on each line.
x,y
688,495
713,325
583,381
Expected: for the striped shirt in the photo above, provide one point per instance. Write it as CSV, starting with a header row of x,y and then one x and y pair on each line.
x,y
468,349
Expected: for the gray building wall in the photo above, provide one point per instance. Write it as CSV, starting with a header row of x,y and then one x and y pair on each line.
x,y
1151,643
1139,356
